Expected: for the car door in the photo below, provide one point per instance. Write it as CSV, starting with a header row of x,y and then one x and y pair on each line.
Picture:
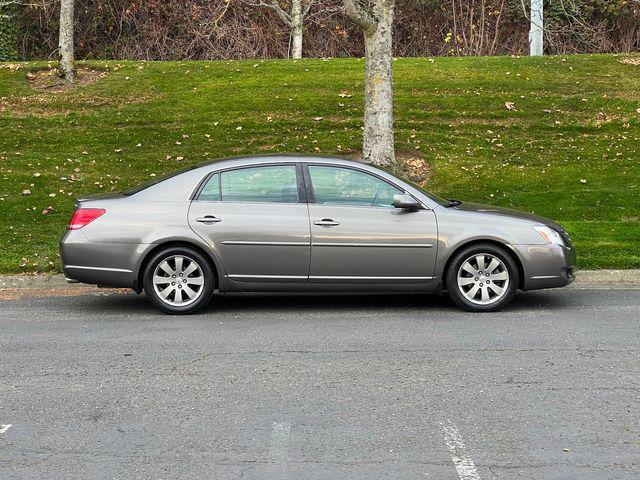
x,y
256,220
357,236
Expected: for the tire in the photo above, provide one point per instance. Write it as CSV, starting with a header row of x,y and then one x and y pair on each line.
x,y
179,280
480,289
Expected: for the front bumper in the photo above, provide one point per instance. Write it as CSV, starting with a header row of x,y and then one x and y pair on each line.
x,y
546,266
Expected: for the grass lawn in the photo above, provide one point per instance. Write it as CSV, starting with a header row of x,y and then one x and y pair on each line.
x,y
570,150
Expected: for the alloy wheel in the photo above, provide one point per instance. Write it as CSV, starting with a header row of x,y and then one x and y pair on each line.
x,y
483,279
178,280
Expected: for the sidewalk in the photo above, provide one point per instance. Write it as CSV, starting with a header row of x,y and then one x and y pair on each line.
x,y
584,279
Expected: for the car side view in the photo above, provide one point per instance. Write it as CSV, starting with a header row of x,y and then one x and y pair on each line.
x,y
307,224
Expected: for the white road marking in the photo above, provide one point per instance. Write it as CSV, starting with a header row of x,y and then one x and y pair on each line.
x,y
280,441
4,428
461,459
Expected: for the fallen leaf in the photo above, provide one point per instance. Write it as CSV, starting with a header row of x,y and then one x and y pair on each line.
x,y
583,180
510,105
26,191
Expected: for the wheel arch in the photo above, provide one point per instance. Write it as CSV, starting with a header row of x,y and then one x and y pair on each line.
x,y
139,281
496,243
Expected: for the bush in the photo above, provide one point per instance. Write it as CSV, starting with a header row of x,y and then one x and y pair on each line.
x,y
9,30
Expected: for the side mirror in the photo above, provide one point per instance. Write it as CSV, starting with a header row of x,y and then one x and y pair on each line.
x,y
405,201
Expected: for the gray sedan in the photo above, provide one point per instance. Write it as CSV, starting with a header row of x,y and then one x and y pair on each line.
x,y
307,224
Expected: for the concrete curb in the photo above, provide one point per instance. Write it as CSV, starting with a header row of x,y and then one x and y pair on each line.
x,y
607,279
584,279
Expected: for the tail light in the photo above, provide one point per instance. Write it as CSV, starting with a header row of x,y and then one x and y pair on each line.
x,y
84,216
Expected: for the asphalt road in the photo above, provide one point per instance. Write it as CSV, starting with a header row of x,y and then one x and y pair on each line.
x,y
262,387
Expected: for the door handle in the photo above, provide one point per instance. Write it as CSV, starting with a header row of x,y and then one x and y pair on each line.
x,y
208,219
326,222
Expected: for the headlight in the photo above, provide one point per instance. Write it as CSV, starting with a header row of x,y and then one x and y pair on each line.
x,y
549,235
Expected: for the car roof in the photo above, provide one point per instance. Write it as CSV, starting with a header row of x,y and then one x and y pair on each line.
x,y
276,158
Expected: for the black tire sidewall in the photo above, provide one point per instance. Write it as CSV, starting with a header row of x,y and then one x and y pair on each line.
x,y
452,281
207,272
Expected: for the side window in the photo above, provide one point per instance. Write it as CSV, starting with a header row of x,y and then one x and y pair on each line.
x,y
211,191
343,186
276,183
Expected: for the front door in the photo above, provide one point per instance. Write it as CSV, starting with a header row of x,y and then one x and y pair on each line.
x,y
358,237
254,219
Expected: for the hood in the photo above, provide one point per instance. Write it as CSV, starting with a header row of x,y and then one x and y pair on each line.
x,y
506,212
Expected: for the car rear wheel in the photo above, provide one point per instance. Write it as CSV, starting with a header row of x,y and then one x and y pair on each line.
x,y
179,280
482,278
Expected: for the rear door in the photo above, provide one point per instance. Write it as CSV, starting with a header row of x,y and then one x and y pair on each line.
x,y
256,220
358,237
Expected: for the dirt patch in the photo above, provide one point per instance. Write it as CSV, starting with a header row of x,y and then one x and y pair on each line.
x,y
43,105
49,80
412,165
631,61
52,97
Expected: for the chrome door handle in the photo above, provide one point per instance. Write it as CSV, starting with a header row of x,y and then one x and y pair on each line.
x,y
208,219
326,222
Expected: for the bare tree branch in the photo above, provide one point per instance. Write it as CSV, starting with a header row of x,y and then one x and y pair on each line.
x,y
356,12
273,5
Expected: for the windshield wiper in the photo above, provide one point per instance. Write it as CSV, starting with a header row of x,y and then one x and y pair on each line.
x,y
453,203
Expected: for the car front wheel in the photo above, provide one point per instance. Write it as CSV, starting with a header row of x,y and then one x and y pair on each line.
x,y
179,280
482,278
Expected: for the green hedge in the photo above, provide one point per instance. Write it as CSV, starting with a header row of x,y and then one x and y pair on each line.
x,y
9,32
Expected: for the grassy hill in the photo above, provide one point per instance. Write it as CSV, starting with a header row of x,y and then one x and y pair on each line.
x,y
569,149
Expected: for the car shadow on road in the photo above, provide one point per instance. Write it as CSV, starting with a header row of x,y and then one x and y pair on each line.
x,y
318,303
367,302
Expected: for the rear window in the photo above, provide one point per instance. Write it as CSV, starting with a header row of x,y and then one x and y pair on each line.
x,y
157,180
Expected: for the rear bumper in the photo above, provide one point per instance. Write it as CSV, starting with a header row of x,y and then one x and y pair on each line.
x,y
546,266
104,264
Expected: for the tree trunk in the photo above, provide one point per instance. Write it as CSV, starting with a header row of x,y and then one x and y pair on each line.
x,y
67,62
296,29
536,34
378,143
